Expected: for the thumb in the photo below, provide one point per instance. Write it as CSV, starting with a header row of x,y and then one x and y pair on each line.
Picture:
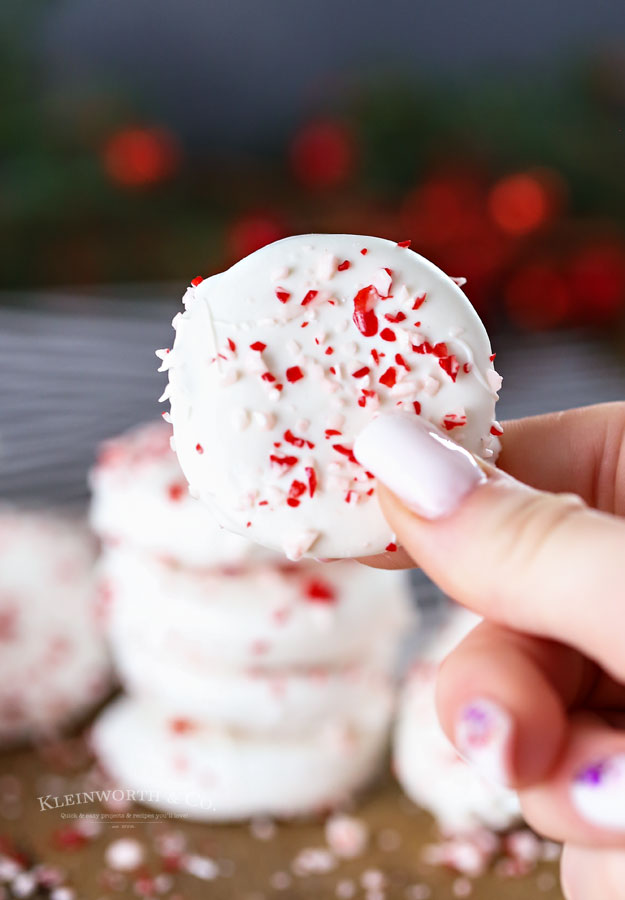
x,y
537,562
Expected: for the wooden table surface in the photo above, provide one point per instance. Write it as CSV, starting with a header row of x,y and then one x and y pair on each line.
x,y
253,865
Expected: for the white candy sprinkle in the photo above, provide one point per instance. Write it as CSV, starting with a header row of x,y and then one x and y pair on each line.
x,y
240,418
431,385
264,421
201,867
124,855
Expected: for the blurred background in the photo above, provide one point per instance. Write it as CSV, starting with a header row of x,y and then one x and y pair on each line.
x,y
147,142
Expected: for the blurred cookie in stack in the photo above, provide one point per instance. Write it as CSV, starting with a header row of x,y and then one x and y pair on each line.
x,y
54,664
427,765
255,685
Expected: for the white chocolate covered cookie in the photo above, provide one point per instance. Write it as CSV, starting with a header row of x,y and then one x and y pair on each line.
x,y
278,364
140,496
304,616
211,774
53,661
425,762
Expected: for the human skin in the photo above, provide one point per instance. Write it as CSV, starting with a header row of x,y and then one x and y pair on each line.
x,y
535,695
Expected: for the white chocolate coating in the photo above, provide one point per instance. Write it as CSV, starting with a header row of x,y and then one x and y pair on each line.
x,y
280,362
425,762
213,775
53,661
308,615
140,496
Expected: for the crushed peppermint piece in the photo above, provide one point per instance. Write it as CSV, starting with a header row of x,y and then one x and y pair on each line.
x,y
258,345
294,373
404,243
124,855
344,265
197,280
282,295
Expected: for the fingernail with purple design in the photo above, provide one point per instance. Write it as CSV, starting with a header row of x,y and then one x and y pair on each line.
x,y
598,793
483,738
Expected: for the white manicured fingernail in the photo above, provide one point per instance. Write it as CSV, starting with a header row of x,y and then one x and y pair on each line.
x,y
598,793
427,470
482,737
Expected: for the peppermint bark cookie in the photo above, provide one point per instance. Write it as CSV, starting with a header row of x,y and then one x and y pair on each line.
x,y
279,363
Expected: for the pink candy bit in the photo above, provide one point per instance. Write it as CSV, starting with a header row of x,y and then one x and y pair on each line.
x,y
282,295
199,449
450,365
404,243
197,280
258,345
454,420
346,836
124,855
364,317
294,373
181,726
344,265
318,591
176,491
311,475
310,296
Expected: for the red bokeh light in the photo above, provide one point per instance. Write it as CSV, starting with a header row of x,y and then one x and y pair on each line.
x,y
140,157
323,154
537,297
597,280
520,203
253,231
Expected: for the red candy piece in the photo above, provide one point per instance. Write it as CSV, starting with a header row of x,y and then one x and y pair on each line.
x,y
496,430
286,461
399,359
295,491
360,373
404,243
310,296
452,420
419,301
392,547
312,480
282,295
197,280
294,374
345,451
387,335
364,317
232,345
394,317
344,265
450,365
319,591
389,377
258,345
199,449
290,438
181,726
417,407
176,492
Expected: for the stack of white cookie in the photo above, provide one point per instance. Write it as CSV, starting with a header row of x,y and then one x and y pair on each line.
x,y
252,686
